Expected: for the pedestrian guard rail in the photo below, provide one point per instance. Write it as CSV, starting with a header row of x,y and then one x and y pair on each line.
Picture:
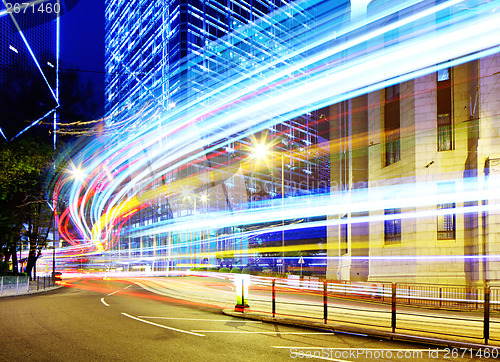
x,y
389,305
15,285
436,296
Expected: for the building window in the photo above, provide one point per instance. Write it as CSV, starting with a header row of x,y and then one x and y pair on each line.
x,y
444,132
392,125
392,151
392,226
444,111
446,224
344,236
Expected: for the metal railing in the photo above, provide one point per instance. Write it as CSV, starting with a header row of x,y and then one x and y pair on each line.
x,y
15,285
436,296
438,310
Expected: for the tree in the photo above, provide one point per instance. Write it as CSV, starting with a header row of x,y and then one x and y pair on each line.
x,y
24,212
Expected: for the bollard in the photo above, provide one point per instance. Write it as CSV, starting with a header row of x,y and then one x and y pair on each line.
x,y
393,308
486,325
1,285
243,293
274,298
241,283
325,302
17,284
37,283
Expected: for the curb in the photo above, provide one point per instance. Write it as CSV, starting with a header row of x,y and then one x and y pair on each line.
x,y
296,322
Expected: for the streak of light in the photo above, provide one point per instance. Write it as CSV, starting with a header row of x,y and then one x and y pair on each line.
x,y
127,170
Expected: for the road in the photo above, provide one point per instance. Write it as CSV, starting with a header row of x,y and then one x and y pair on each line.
x,y
110,320
466,326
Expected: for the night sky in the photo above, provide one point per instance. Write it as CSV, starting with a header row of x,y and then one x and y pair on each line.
x,y
82,44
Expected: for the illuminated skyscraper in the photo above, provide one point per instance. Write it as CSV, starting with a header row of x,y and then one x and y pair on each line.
x,y
28,70
154,48
162,54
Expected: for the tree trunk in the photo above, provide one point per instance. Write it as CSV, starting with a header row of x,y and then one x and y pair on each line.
x,y
36,241
33,239
31,259
13,254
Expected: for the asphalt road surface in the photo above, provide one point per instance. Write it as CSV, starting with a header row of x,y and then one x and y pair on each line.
x,y
106,320
463,325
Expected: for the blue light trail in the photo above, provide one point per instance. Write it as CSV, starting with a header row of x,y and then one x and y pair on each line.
x,y
128,167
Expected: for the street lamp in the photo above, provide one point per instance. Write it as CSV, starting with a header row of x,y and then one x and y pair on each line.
x,y
54,214
190,197
260,151
282,212
54,246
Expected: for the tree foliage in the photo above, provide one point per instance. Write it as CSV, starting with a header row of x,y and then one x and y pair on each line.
x,y
24,213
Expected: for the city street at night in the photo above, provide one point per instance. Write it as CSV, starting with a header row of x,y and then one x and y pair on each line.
x,y
249,180
116,320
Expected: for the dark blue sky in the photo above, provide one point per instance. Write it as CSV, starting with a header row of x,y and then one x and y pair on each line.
x,y
82,43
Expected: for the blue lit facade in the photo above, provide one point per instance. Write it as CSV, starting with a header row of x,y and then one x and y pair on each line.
x,y
28,72
160,54
148,45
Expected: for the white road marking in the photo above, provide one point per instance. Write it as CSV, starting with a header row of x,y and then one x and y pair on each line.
x,y
128,286
162,326
103,302
262,332
201,319
114,292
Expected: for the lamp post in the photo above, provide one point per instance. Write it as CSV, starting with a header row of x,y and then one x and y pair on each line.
x,y
260,150
54,211
193,234
54,247
204,234
282,212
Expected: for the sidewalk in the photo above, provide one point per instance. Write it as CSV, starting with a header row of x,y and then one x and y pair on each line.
x,y
423,337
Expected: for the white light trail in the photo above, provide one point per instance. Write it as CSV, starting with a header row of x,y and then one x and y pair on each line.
x,y
320,65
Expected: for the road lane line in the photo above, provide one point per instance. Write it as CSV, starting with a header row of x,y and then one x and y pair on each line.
x,y
103,302
262,332
128,286
201,319
113,292
162,326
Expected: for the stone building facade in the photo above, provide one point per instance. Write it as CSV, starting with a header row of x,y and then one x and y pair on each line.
x,y
433,136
